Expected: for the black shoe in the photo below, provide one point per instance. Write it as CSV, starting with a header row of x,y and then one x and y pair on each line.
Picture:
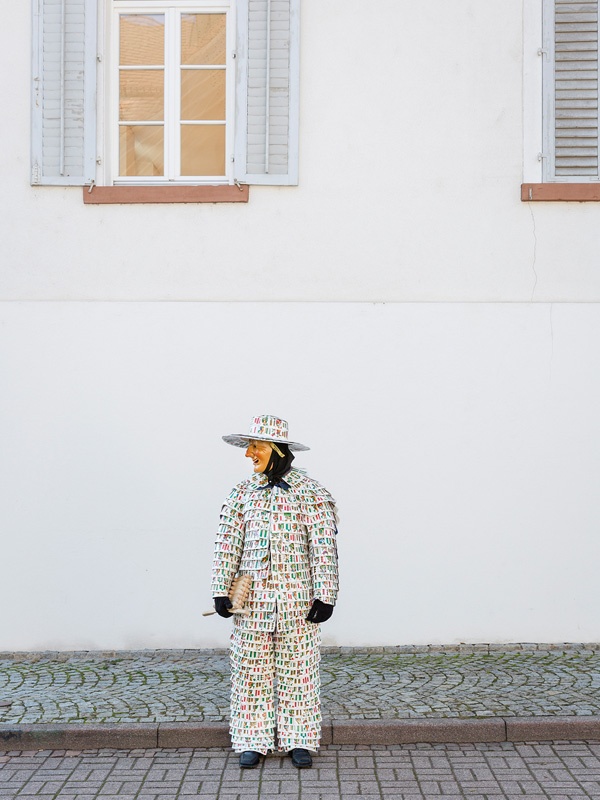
x,y
249,759
301,758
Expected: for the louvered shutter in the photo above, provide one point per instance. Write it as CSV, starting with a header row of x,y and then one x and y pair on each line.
x,y
267,91
571,90
63,145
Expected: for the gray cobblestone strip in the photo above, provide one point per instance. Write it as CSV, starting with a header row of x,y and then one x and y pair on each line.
x,y
555,771
193,686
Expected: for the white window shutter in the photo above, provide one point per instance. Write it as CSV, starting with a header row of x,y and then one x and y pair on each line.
x,y
63,119
267,91
570,77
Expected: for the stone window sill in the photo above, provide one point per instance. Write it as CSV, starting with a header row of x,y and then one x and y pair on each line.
x,y
165,194
567,192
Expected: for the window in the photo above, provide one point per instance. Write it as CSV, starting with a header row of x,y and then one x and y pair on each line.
x,y
173,93
561,100
190,92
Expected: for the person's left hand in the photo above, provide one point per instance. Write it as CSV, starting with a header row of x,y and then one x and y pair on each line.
x,y
319,612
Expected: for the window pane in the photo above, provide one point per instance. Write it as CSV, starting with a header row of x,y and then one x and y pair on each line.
x,y
203,94
142,38
141,150
203,149
203,38
141,94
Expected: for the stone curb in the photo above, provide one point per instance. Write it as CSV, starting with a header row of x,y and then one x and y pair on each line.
x,y
381,731
411,731
519,729
73,736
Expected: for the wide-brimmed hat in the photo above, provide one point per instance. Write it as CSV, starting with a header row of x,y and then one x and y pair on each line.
x,y
266,428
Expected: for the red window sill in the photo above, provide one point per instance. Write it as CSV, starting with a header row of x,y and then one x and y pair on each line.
x,y
577,192
165,194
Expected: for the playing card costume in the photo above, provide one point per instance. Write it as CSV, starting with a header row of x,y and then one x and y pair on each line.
x,y
281,530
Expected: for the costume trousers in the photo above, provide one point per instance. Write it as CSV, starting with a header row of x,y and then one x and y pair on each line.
x,y
275,684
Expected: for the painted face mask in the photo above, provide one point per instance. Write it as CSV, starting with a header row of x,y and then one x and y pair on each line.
x,y
260,453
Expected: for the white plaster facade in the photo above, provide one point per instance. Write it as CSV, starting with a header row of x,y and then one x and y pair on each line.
x,y
436,343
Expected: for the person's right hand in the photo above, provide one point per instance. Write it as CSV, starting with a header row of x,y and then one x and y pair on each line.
x,y
221,606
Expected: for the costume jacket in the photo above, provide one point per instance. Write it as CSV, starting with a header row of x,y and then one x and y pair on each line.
x,y
285,539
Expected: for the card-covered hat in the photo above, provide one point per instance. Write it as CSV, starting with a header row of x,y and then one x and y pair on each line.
x,y
267,428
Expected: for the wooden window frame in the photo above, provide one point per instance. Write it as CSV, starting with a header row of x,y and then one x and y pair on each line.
x,y
172,10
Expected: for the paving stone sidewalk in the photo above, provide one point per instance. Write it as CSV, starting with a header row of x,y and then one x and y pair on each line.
x,y
500,771
193,686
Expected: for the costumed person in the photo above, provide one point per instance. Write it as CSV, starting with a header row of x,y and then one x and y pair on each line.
x,y
278,526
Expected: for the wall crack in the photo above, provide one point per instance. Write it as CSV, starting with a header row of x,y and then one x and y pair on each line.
x,y
551,339
534,252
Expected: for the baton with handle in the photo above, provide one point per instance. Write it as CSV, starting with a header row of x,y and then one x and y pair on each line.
x,y
238,594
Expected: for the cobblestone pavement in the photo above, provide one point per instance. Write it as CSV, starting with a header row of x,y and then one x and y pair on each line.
x,y
554,771
193,686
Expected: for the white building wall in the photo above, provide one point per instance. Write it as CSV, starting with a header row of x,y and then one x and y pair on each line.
x,y
411,153
436,343
460,440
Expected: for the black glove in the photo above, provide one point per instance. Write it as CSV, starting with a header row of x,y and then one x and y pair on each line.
x,y
319,612
221,606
